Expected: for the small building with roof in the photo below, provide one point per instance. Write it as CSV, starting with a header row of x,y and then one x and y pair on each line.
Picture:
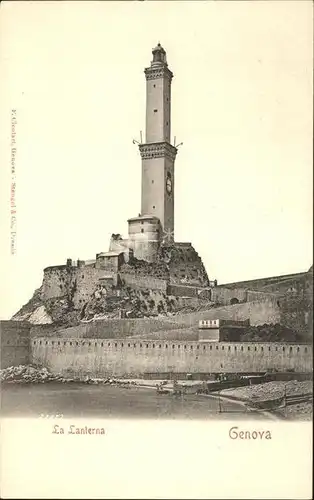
x,y
111,261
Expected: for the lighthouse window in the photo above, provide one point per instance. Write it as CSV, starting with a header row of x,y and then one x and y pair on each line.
x,y
154,86
155,110
154,206
142,230
152,182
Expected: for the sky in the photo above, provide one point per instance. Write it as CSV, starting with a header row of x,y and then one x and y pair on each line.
x,y
241,105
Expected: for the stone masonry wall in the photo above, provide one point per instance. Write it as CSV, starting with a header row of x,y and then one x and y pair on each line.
x,y
145,282
15,344
259,313
223,296
123,357
272,283
108,328
75,283
190,291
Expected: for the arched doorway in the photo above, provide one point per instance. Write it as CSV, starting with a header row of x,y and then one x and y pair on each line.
x,y
234,300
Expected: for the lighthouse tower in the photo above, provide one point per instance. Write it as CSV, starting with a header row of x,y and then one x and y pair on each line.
x,y
155,223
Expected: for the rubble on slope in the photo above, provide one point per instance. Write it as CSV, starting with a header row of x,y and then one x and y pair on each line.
x,y
270,390
302,411
26,374
295,409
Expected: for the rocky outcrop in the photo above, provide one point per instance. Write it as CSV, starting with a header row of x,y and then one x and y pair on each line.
x,y
184,264
30,307
59,311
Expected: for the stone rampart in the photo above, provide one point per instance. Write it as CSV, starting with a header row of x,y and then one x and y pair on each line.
x,y
77,283
225,296
259,313
146,282
127,357
189,291
111,328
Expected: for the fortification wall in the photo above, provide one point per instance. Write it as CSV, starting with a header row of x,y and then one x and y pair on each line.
x,y
111,328
72,351
146,282
182,334
189,291
56,281
14,341
86,282
76,283
222,295
295,284
257,295
130,358
259,313
260,283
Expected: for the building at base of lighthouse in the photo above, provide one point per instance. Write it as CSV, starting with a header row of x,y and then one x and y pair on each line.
x,y
144,237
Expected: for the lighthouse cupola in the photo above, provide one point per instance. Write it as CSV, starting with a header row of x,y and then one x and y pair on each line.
x,y
159,56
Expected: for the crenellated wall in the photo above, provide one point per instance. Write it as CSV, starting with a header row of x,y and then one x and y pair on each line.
x,y
95,350
130,357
